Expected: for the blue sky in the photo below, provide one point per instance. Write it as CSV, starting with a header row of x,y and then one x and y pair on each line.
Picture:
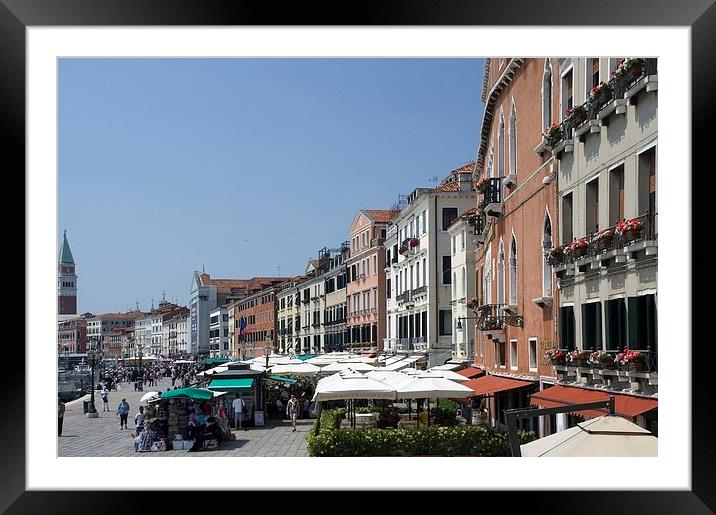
x,y
242,165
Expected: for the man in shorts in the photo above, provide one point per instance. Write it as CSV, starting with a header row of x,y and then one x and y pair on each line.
x,y
292,407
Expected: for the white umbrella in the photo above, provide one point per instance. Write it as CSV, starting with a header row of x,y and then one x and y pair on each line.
x,y
412,371
447,366
215,370
447,374
433,387
297,368
606,436
148,396
356,366
352,387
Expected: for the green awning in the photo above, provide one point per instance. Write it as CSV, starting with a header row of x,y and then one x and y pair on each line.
x,y
282,379
231,385
193,393
304,357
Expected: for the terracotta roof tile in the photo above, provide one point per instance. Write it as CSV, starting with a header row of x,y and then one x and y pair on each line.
x,y
382,216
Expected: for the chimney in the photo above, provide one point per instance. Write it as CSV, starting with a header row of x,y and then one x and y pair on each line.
x,y
465,179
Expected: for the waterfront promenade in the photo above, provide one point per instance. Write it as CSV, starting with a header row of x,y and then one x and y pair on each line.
x,y
86,437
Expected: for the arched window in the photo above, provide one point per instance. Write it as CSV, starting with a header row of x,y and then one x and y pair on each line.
x,y
454,285
513,271
546,268
490,159
487,277
501,147
547,95
501,274
513,141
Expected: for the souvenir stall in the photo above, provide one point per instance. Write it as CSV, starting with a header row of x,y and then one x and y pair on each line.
x,y
186,418
242,381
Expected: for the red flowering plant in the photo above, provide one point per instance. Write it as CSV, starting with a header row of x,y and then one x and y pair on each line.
x,y
577,248
556,357
579,358
629,68
601,359
629,230
600,94
555,256
630,359
403,249
576,114
602,239
553,134
413,242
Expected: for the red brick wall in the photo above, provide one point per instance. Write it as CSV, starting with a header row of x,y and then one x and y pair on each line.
x,y
66,305
524,214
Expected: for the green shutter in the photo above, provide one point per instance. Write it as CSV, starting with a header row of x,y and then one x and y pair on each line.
x,y
598,326
586,336
608,324
634,339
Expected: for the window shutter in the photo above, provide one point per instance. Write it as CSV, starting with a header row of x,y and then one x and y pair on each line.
x,y
621,194
598,326
586,333
652,171
608,324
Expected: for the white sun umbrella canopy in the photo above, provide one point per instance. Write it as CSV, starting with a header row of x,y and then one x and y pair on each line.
x,y
447,374
412,371
215,370
433,388
606,436
149,395
352,386
356,366
295,369
390,377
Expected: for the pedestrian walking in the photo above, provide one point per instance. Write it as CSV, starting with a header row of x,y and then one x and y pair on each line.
x,y
139,420
239,408
105,399
60,415
292,408
123,412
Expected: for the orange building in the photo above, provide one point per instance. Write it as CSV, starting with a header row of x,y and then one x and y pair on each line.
x,y
516,221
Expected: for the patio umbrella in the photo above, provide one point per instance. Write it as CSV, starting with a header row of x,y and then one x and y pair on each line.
x,y
431,388
353,387
605,436
356,366
192,393
446,374
297,369
148,396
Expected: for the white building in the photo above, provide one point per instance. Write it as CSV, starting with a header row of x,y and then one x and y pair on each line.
x,y
463,286
219,332
422,314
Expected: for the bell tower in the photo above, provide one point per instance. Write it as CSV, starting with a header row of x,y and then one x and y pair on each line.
x,y
66,281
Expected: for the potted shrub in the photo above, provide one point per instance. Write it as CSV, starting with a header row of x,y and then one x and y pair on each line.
x,y
576,115
603,239
577,248
601,359
552,135
555,256
630,69
403,249
579,358
413,242
556,357
600,94
630,360
630,230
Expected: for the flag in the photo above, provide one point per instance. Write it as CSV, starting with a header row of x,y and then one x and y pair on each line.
x,y
242,329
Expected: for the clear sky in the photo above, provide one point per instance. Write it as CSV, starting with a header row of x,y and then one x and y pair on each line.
x,y
242,165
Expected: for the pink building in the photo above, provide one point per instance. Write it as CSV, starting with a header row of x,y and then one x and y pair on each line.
x,y
72,335
366,286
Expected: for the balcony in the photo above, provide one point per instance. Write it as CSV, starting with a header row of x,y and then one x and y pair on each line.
x,y
492,197
377,242
494,318
479,224
403,297
422,290
409,246
633,239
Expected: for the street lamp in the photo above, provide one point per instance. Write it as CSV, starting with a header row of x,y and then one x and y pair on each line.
x,y
267,348
92,356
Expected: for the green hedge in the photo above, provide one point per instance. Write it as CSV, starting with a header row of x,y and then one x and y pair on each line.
x,y
424,441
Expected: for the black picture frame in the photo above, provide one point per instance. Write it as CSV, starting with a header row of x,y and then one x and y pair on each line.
x,y
699,15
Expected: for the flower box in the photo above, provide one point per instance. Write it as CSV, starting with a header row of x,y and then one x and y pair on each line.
x,y
600,94
555,256
556,357
601,359
630,230
553,135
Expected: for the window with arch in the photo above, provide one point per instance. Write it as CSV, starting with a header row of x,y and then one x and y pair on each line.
x,y
546,268
490,163
547,95
463,283
501,274
501,147
513,271
513,141
487,278
454,285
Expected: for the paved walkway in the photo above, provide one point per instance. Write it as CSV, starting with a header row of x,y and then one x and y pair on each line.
x,y
82,436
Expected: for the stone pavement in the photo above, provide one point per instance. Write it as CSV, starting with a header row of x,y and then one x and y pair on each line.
x,y
84,437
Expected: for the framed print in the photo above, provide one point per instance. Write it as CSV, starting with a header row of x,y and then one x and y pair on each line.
x,y
156,48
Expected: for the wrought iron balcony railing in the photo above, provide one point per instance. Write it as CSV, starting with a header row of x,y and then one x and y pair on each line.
x,y
616,237
492,317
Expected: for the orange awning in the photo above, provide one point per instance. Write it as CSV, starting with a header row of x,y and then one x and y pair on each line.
x,y
627,406
486,385
471,372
